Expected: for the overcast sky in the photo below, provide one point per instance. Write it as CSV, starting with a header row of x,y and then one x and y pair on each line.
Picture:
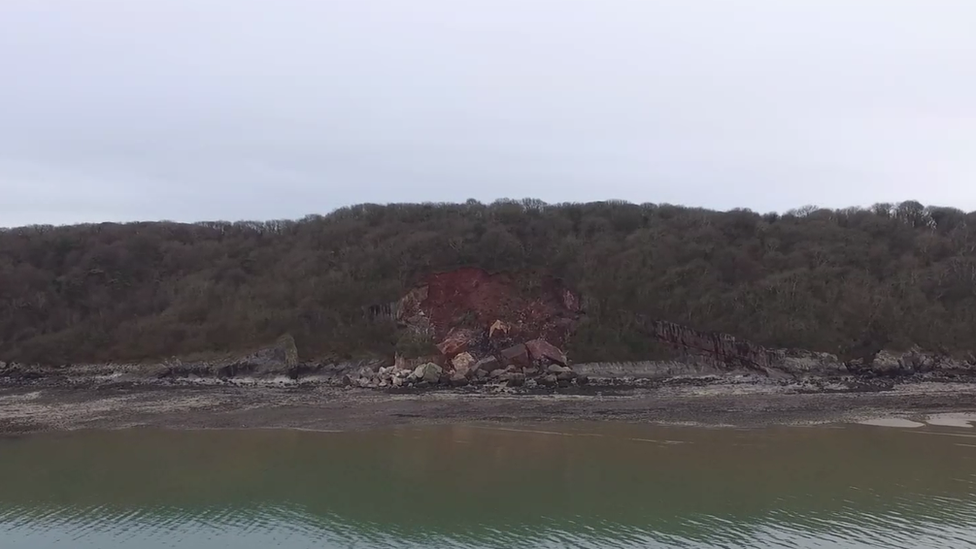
x,y
239,109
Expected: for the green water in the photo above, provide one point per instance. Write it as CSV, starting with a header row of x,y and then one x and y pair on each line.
x,y
464,486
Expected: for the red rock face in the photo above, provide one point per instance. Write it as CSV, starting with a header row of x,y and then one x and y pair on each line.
x,y
531,307
721,349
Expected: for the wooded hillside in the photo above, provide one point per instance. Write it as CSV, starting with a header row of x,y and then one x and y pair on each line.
x,y
831,280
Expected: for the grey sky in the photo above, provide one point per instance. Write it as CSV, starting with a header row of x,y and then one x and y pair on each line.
x,y
232,109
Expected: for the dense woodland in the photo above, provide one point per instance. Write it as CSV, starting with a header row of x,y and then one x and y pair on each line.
x,y
844,281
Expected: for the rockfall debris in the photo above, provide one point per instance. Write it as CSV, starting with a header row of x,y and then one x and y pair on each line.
x,y
486,328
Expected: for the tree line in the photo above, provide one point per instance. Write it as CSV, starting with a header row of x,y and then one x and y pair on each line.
x,y
846,281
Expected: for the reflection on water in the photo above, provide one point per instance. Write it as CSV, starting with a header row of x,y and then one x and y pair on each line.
x,y
465,486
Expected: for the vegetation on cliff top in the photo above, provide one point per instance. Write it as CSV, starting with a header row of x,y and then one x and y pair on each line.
x,y
832,280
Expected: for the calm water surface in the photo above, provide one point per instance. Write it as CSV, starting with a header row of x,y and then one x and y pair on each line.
x,y
465,486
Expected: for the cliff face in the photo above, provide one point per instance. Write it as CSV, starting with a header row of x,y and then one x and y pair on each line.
x,y
723,351
468,326
505,307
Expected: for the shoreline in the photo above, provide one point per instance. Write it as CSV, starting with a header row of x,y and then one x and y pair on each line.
x,y
47,405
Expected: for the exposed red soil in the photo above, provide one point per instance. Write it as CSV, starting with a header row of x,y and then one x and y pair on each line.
x,y
531,305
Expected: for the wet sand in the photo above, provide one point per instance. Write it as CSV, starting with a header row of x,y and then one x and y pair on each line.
x,y
41,407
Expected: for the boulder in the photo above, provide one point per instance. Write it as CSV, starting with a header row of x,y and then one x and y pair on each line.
x,y
463,363
514,379
582,380
920,361
516,355
540,349
456,342
557,369
397,382
566,376
430,372
549,380
531,384
403,373
458,380
886,363
497,373
487,364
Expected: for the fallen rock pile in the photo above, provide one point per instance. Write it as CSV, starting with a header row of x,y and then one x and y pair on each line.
x,y
536,363
479,328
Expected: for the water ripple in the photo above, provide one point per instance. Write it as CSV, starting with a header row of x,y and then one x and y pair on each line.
x,y
395,493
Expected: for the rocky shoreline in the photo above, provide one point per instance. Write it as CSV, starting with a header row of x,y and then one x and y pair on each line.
x,y
70,403
535,367
488,376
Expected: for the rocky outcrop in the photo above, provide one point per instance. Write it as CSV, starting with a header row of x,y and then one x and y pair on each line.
x,y
274,360
889,363
723,350
700,351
